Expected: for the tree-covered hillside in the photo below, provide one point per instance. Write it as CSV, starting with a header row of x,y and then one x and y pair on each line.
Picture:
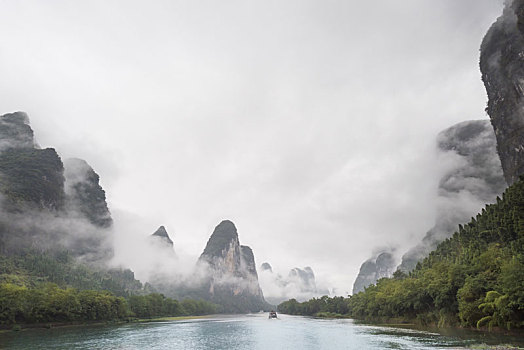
x,y
475,278
30,268
51,286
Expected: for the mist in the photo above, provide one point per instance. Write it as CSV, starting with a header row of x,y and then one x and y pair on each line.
x,y
150,260
309,124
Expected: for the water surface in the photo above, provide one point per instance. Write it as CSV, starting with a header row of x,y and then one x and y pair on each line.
x,y
239,332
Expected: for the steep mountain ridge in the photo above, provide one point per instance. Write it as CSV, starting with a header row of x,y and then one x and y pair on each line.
x,y
233,279
474,179
502,67
84,193
45,205
373,269
472,176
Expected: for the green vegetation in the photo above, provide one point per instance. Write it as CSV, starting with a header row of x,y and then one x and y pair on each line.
x,y
49,303
49,287
156,305
319,307
473,279
31,268
32,176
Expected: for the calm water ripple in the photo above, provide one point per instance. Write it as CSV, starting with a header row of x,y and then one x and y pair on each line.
x,y
237,332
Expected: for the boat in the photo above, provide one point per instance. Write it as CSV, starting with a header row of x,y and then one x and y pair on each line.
x,y
272,314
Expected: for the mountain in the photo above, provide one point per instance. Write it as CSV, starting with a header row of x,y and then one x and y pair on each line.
x,y
44,205
31,178
472,279
476,276
373,269
84,195
306,278
300,283
233,278
15,131
501,64
266,267
471,177
162,237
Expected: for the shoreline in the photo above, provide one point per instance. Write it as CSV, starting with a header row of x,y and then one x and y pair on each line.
x,y
50,325
449,331
404,323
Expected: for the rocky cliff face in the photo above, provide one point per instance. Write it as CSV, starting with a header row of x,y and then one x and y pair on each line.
x,y
233,281
502,67
305,278
373,269
44,207
84,195
300,283
29,177
15,131
472,176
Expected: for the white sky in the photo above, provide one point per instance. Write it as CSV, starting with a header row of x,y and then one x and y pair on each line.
x,y
310,124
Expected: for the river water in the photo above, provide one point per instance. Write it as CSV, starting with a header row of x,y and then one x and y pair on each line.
x,y
240,332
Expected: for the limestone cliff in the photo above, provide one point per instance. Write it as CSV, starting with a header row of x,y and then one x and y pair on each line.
x,y
373,269
300,284
233,279
502,67
474,177
29,176
84,194
15,131
471,177
44,207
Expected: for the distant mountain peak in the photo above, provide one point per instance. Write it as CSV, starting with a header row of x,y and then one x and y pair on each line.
x,y
161,233
223,236
266,267
233,278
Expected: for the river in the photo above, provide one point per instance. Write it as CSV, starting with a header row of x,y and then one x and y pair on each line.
x,y
241,332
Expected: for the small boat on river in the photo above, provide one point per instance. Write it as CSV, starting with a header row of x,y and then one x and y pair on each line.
x,y
272,314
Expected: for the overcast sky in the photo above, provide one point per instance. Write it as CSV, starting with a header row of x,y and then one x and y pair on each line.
x,y
310,124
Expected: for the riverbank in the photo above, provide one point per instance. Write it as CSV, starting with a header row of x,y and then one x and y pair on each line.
x,y
491,347
495,339
49,325
412,323
174,318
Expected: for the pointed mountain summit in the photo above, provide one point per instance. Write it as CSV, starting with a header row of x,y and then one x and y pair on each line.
x,y
224,237
233,279
161,235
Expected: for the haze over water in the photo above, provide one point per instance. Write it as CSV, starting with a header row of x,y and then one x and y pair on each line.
x,y
238,332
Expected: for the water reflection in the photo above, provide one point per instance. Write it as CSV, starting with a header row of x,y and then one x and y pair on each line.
x,y
243,332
